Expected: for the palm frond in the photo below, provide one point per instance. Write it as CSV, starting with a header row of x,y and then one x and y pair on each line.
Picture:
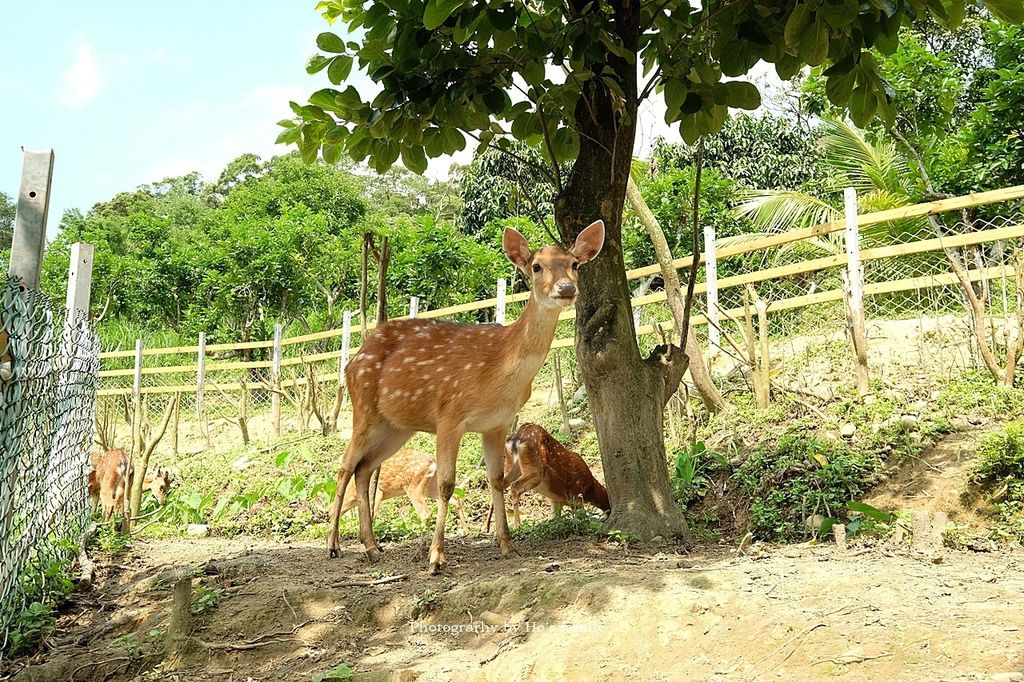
x,y
781,210
867,166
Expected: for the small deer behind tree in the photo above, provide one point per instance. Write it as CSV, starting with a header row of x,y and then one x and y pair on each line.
x,y
448,378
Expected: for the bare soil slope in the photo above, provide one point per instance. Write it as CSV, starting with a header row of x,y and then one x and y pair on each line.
x,y
580,609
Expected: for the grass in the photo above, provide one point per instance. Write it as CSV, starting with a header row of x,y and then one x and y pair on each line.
x,y
1000,475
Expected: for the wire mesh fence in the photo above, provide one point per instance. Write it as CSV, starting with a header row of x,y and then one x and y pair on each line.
x,y
915,307
48,383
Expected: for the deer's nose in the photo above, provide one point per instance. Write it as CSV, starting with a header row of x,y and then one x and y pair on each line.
x,y
566,289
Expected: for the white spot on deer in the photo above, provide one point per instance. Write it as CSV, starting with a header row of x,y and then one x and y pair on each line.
x,y
424,363
399,392
408,358
469,365
379,365
418,393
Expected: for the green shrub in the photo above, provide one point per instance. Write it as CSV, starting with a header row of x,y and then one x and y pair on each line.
x,y
1001,470
799,477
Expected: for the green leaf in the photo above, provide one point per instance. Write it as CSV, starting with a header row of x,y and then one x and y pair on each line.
x,y
329,42
414,158
317,63
813,45
742,95
325,98
1011,11
797,24
438,11
533,73
692,103
839,87
340,69
675,93
288,136
863,104
871,512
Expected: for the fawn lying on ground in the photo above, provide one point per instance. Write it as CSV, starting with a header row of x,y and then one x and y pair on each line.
x,y
551,469
413,473
109,476
448,378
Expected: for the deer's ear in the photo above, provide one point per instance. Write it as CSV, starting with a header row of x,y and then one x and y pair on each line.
x,y
589,242
517,248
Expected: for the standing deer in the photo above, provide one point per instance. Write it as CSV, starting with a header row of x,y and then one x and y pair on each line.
x,y
109,476
448,379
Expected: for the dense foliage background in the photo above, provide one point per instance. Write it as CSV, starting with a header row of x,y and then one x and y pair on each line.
x,y
280,240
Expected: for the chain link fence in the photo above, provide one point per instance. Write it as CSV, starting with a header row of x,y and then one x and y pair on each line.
x,y
48,381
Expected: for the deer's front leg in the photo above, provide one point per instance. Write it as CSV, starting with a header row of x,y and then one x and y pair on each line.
x,y
447,451
494,454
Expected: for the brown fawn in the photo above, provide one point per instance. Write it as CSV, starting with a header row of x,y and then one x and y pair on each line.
x,y
109,476
413,473
553,470
449,379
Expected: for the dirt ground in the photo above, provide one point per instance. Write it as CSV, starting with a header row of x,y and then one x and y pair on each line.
x,y
576,609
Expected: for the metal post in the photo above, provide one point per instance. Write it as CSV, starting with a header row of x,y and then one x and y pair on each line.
x,y
499,313
414,307
79,280
200,375
711,275
30,219
275,396
855,290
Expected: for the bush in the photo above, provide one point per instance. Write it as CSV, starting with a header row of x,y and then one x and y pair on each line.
x,y
799,477
1001,470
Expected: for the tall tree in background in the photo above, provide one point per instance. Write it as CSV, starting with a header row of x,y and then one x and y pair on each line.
x,y
566,76
7,210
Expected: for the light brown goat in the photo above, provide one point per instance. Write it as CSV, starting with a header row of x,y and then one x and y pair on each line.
x,y
551,469
109,476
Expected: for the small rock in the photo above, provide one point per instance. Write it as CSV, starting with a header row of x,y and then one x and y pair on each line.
x,y
241,463
936,394
908,422
198,530
1007,677
577,424
814,522
685,563
919,406
869,400
847,431
552,567
580,393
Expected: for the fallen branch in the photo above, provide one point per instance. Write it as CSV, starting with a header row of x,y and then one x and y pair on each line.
x,y
371,583
87,565
262,640
845,660
799,635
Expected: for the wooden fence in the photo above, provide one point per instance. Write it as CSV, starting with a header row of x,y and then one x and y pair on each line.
x,y
851,260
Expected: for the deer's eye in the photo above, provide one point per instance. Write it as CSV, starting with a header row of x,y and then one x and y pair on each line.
x,y
575,265
536,267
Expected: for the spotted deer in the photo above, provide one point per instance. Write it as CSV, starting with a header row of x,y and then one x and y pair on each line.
x,y
552,470
449,379
408,472
109,476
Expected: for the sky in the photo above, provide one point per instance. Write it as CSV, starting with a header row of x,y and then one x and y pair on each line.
x,y
128,93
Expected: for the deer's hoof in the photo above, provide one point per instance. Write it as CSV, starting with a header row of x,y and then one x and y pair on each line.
x,y
437,562
333,553
373,553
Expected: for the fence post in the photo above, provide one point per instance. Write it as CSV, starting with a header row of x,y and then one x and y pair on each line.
x,y
275,395
499,312
137,405
79,280
855,291
414,307
346,340
711,275
30,218
200,376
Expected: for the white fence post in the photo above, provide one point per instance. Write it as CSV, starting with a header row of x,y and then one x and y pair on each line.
x,y
200,375
137,384
855,290
414,307
275,380
79,280
346,342
711,275
499,312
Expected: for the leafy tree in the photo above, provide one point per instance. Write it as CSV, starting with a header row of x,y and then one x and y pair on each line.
x,y
498,185
7,210
449,68
766,151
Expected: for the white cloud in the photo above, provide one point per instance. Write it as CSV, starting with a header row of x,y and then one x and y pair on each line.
x,y
82,80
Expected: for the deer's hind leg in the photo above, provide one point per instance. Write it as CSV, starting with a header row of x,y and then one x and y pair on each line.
x,y
390,440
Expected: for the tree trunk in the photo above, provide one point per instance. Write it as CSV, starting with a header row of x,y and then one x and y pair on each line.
x,y
709,393
627,392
